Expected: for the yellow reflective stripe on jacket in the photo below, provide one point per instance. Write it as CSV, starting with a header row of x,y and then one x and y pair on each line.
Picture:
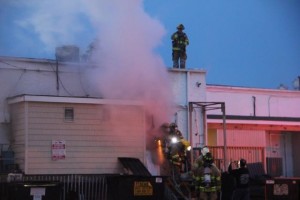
x,y
207,189
176,48
213,178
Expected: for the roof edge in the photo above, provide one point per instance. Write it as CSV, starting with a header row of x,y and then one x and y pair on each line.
x,y
255,118
62,99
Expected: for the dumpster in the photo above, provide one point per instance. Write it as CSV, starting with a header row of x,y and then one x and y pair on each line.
x,y
135,187
228,185
7,158
37,190
282,188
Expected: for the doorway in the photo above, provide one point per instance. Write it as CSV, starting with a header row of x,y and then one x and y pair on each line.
x,y
278,153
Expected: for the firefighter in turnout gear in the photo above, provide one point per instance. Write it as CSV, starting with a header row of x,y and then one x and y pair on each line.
x,y
207,179
179,43
177,149
174,131
199,161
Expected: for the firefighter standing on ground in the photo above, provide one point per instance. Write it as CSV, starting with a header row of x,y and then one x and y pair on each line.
x,y
199,161
179,43
208,179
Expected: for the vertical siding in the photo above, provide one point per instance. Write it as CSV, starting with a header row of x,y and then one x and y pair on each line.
x,y
18,133
95,139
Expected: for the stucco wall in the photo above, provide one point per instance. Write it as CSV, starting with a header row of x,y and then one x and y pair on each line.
x,y
256,102
187,86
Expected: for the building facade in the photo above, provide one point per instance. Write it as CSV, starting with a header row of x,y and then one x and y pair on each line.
x,y
46,104
266,119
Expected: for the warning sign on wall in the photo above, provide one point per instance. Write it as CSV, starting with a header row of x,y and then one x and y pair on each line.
x,y
58,149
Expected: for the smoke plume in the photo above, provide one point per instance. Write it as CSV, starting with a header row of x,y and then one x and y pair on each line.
x,y
126,38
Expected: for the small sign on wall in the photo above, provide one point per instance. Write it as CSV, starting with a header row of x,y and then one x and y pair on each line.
x,y
58,149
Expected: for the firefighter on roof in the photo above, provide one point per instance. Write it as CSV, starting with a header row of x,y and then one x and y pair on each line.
x,y
179,43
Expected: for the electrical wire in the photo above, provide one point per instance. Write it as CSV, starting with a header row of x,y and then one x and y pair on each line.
x,y
5,103
60,81
62,84
81,84
12,65
196,122
52,68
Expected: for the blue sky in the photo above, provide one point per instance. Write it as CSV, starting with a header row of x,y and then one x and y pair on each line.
x,y
250,43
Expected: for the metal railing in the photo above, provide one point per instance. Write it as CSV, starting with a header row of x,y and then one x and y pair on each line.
x,y
251,154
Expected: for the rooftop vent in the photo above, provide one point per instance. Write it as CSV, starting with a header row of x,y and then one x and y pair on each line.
x,y
67,53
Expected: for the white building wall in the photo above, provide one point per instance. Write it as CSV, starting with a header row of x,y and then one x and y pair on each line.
x,y
24,76
39,77
278,106
188,86
255,101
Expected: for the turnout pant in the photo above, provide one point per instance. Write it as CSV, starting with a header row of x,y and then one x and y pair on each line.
x,y
179,59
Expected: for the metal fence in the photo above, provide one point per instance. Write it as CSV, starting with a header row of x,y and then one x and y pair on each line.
x,y
95,187
251,154
85,187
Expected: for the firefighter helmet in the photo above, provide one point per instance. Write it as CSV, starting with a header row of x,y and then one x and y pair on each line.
x,y
173,125
204,150
180,26
242,162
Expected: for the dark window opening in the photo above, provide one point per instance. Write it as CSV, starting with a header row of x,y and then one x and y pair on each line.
x,y
69,114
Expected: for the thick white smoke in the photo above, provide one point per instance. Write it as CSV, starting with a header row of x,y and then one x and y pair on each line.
x,y
129,68
55,22
127,37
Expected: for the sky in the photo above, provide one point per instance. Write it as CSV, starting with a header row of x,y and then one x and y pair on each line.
x,y
247,43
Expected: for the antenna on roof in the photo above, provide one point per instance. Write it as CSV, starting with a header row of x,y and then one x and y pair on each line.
x,y
296,83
